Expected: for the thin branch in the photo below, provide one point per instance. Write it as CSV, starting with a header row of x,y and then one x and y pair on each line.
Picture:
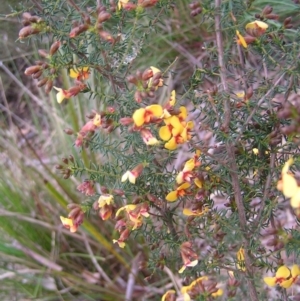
x,y
94,260
233,169
266,192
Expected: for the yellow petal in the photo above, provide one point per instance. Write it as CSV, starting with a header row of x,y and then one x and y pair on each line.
x,y
283,272
156,110
171,144
179,178
172,196
270,281
131,177
97,120
241,39
60,95
295,200
67,222
289,185
189,165
257,24
184,186
164,133
74,73
295,271
168,295
193,263
198,183
218,293
183,112
286,166
154,69
139,117
177,126
187,212
173,98
182,269
125,176
286,283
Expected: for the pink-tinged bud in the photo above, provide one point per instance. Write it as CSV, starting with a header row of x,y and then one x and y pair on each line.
x,y
119,192
37,74
194,5
287,20
42,82
54,47
25,18
43,53
35,19
196,11
124,235
48,86
272,16
249,93
69,131
106,36
87,188
27,31
111,110
87,19
32,69
103,16
78,30
147,74
147,3
79,140
138,96
132,79
126,121
249,39
267,10
129,6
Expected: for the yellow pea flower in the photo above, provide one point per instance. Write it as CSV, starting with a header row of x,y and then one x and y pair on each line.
x,y
180,191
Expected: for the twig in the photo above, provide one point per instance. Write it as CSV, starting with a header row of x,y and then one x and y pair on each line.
x,y
94,260
266,192
132,276
233,169
39,258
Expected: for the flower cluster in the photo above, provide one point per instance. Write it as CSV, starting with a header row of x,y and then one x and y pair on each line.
x,y
189,257
184,180
132,219
254,30
176,129
201,286
284,276
74,219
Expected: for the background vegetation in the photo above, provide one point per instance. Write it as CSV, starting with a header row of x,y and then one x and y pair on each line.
x,y
41,260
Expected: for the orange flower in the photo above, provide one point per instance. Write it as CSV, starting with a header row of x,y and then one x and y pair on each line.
x,y
284,276
68,224
66,94
180,191
80,73
145,115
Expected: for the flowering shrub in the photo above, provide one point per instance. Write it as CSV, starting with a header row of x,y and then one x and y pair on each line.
x,y
186,170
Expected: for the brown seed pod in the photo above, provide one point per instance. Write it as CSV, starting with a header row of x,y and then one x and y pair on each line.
x,y
54,47
42,82
27,31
